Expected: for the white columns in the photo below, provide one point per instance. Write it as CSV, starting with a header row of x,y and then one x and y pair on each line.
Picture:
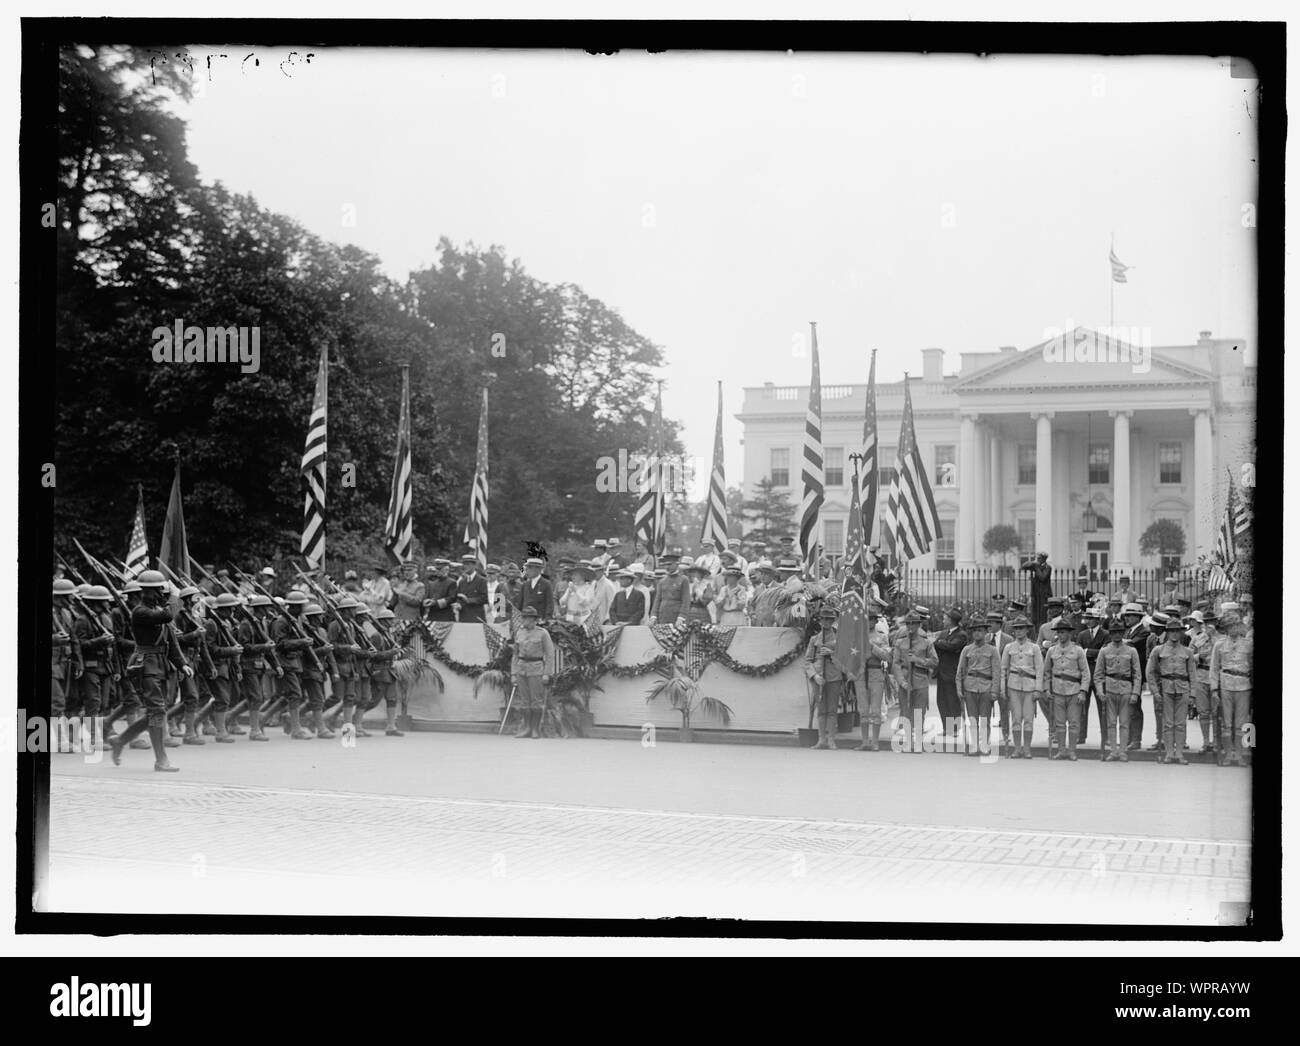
x,y
966,486
1203,452
1043,484
995,479
1122,538
981,489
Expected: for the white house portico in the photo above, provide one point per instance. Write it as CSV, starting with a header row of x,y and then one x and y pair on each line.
x,y
1079,451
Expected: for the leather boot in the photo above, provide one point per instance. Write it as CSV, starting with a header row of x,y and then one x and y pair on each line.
x,y
1027,732
223,738
140,743
157,738
832,726
296,731
535,723
822,733
191,732
866,737
525,723
875,737
391,729
357,718
171,734
232,724
318,724
255,732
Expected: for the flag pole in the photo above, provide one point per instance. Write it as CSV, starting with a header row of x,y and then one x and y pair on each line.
x,y
1110,331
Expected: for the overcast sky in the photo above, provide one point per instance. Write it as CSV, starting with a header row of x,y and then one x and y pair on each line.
x,y
720,202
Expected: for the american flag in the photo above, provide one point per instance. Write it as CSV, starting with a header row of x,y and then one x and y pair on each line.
x,y
913,517
868,479
1235,524
137,552
814,477
715,513
476,528
1117,267
649,524
856,572
313,471
397,528
851,642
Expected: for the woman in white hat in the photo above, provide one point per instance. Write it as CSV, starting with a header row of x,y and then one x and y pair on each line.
x,y
731,600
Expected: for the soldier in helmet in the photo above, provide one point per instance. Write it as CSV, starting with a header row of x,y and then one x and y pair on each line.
x,y
159,654
383,680
261,665
226,676
65,659
1065,677
191,634
290,643
127,686
531,668
93,630
313,677
875,667
349,655
1171,669
913,658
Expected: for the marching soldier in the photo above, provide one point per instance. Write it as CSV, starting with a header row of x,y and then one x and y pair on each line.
x,y
313,678
979,684
258,666
531,667
1022,666
1118,679
225,680
383,679
364,631
1065,677
1171,667
289,645
65,651
913,658
158,653
190,634
127,686
93,631
876,667
1231,667
826,675
349,655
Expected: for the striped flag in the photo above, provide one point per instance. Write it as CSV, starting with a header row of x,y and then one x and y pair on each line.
x,y
869,477
313,471
137,553
1225,549
174,552
1117,267
913,517
855,572
715,513
649,523
397,529
814,477
476,528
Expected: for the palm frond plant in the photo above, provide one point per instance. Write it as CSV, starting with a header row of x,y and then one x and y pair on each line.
x,y
411,670
684,694
493,679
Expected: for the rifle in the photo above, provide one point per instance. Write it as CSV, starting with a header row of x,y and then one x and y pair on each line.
x,y
254,621
202,640
329,609
293,621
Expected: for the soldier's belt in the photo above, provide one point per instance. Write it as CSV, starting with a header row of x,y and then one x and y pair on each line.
x,y
978,675
1024,672
532,659
1068,678
1235,672
141,649
1167,675
1128,678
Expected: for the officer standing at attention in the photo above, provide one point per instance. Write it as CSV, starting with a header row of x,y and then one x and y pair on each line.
x,y
156,648
1065,677
1092,637
1231,667
530,672
913,659
1201,638
826,675
1171,667
979,684
1022,666
1136,634
1119,688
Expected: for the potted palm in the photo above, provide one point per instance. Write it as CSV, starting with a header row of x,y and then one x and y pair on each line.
x,y
684,694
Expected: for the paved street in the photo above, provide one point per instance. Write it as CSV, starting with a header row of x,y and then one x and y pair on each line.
x,y
467,824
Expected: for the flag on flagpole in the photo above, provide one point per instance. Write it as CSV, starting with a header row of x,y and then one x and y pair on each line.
x,y
715,513
174,553
313,471
476,528
1117,267
649,522
914,519
868,479
1225,549
137,552
851,635
855,573
397,528
814,477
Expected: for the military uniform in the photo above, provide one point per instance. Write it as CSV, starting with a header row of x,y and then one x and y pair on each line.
x,y
65,652
226,676
825,674
1065,677
383,678
313,675
1118,679
532,664
912,660
1231,674
948,646
1022,665
289,646
95,640
1171,667
875,667
979,684
255,671
1202,643
1137,635
192,635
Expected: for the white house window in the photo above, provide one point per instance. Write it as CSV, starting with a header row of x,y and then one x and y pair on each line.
x,y
833,537
945,548
1099,463
780,471
1026,464
945,464
834,466
1171,462
1025,528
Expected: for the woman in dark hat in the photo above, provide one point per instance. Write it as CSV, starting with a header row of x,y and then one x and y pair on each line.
x,y
701,593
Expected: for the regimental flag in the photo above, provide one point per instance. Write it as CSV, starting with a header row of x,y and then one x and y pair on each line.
x,y
814,477
137,552
313,471
868,478
476,528
397,529
1117,267
913,517
650,523
1232,524
856,569
851,640
715,513
174,553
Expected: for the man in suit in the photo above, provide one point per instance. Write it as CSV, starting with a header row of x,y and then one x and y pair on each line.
x,y
471,590
440,592
948,646
1092,637
628,606
536,591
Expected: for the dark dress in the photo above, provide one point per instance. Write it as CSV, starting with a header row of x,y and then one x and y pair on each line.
x,y
1040,591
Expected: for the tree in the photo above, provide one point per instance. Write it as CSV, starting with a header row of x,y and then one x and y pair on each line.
x,y
1164,537
1001,540
770,508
